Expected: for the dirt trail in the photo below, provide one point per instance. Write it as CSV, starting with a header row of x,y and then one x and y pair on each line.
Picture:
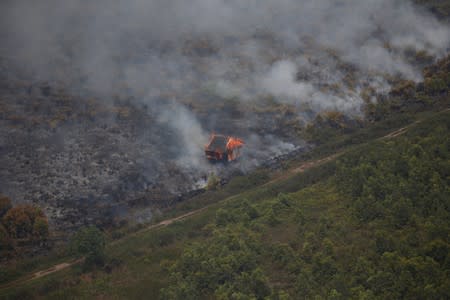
x,y
161,224
299,169
303,167
311,164
402,130
395,133
56,268
66,265
41,273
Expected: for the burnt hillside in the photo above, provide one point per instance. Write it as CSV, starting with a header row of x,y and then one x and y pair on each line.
x,y
107,106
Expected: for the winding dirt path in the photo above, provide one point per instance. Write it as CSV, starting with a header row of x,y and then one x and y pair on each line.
x,y
41,273
55,268
161,224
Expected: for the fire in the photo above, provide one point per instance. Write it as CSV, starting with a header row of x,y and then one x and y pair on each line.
x,y
223,148
234,143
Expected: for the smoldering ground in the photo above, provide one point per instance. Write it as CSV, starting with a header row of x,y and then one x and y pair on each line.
x,y
183,69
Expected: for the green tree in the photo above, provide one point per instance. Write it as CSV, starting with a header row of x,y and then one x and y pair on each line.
x,y
227,267
90,243
224,217
438,250
248,285
249,210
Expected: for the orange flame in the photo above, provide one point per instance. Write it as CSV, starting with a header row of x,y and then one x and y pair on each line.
x,y
234,143
233,146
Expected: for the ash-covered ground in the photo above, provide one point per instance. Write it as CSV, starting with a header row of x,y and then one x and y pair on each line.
x,y
88,161
106,106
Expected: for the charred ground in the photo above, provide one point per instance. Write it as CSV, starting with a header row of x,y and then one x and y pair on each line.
x,y
88,161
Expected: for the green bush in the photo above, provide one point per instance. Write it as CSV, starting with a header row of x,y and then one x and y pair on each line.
x,y
90,243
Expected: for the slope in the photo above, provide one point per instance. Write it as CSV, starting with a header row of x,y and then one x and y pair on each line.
x,y
327,232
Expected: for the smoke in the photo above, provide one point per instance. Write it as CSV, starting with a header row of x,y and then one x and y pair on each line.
x,y
211,65
106,45
280,81
189,132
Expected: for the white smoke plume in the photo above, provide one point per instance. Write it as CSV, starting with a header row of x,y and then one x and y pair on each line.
x,y
183,60
107,45
189,131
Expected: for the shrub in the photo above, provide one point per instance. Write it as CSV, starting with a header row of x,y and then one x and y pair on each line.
x,y
89,242
20,222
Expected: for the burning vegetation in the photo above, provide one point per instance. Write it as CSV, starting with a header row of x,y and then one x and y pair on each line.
x,y
223,148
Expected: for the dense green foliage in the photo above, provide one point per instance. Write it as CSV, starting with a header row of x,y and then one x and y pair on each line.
x,y
225,266
401,189
402,179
